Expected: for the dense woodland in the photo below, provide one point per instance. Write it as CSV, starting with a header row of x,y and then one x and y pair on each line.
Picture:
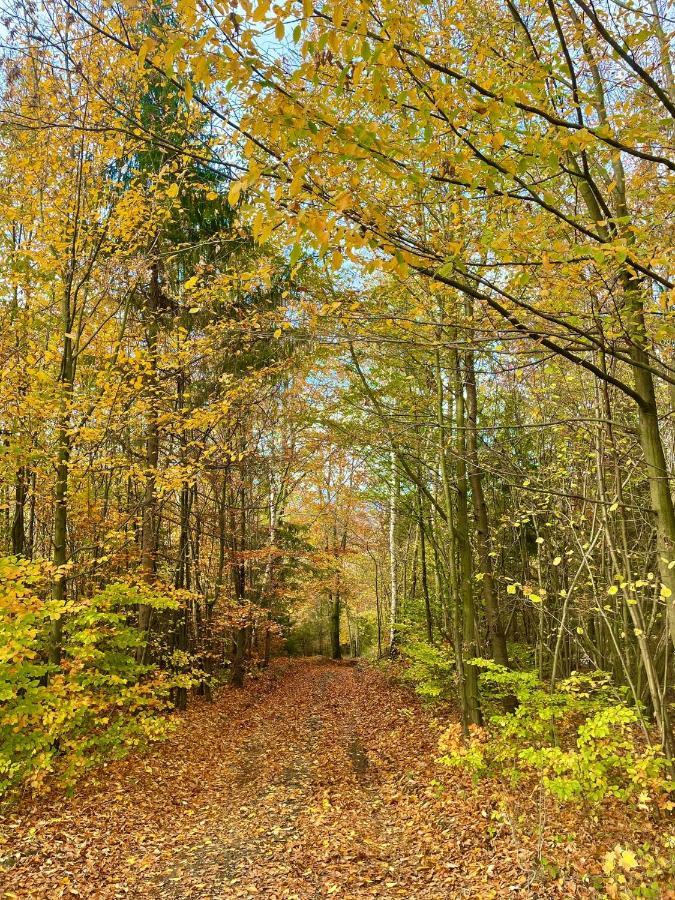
x,y
341,329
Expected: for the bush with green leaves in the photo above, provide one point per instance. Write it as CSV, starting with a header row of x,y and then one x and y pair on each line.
x,y
431,668
98,703
583,739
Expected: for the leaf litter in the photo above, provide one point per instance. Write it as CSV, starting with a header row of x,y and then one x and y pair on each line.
x,y
317,780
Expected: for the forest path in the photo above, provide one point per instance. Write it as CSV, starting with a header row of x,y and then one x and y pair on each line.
x,y
316,780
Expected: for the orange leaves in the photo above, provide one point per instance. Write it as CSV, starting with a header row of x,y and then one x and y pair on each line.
x,y
318,780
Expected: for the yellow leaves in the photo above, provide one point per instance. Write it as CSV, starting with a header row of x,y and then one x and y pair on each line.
x,y
498,140
296,182
145,48
666,592
262,226
623,858
557,560
582,139
172,190
234,193
357,73
334,41
307,8
171,52
613,590
200,69
627,860
342,201
317,224
191,283
260,12
188,9
603,131
511,588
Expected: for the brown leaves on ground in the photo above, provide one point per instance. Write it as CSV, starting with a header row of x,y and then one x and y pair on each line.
x,y
318,780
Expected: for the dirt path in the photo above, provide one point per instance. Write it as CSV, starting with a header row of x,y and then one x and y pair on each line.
x,y
317,780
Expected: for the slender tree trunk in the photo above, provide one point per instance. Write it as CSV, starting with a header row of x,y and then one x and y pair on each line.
x,y
423,568
238,653
335,649
19,519
240,633
267,582
31,517
63,450
659,482
393,577
222,539
661,499
463,617
378,610
621,563
149,502
470,640
496,634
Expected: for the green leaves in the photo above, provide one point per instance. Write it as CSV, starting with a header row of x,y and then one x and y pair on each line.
x,y
100,701
581,739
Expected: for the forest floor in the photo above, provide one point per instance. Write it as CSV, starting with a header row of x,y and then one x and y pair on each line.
x,y
316,780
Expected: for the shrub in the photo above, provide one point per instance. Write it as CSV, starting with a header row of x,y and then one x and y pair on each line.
x,y
582,739
430,668
98,703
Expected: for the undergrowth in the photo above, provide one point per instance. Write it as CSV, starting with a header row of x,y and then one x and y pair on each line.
x,y
99,702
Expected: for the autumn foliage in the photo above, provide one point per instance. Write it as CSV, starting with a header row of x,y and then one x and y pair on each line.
x,y
345,329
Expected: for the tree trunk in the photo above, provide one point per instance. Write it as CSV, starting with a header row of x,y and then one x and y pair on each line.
x,y
63,449
496,634
463,620
19,519
423,567
238,653
652,447
239,578
378,610
393,580
335,649
149,503
469,637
